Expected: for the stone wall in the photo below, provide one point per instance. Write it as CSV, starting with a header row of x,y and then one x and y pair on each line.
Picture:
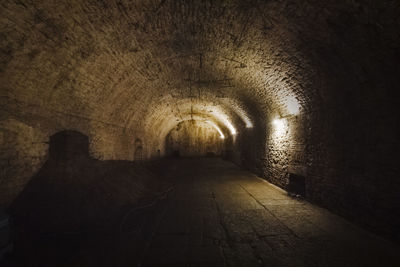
x,y
194,138
24,150
24,137
128,70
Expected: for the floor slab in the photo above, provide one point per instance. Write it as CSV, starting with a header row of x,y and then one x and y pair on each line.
x,y
220,215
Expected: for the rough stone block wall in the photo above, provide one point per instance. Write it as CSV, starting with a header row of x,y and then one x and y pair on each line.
x,y
352,155
23,151
25,134
119,72
345,140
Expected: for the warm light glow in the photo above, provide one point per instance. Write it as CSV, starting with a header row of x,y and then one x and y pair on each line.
x,y
249,124
222,136
237,107
279,125
221,116
292,105
242,114
278,122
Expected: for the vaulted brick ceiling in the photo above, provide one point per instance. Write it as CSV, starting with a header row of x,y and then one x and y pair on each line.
x,y
120,71
146,64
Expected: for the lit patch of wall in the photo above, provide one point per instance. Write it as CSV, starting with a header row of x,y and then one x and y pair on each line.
x,y
240,111
247,121
286,149
222,136
224,118
280,128
278,144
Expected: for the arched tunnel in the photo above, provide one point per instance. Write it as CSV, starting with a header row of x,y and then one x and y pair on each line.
x,y
199,133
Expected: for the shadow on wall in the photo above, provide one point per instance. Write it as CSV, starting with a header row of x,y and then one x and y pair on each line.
x,y
73,210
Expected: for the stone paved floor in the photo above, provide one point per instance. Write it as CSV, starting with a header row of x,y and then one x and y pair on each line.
x,y
220,215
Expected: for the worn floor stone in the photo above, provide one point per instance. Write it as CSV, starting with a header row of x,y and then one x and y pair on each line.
x,y
220,215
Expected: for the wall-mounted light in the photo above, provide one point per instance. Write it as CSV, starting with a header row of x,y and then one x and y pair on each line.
x,y
221,135
277,122
224,118
292,105
279,126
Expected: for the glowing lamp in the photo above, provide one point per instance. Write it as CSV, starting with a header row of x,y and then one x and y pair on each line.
x,y
279,125
292,105
221,135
